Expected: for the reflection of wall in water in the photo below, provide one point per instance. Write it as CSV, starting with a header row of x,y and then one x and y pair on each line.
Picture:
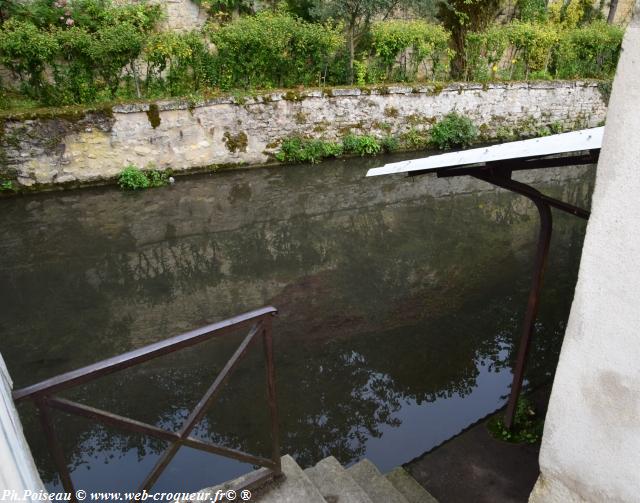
x,y
392,259
341,250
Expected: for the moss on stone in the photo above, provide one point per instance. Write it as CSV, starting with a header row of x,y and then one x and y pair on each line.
x,y
153,114
320,127
435,89
237,142
391,112
291,95
300,117
383,126
71,113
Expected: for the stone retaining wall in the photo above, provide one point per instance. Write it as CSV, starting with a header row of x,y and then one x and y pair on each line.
x,y
94,147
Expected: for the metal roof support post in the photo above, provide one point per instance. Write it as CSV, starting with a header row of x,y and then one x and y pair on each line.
x,y
542,252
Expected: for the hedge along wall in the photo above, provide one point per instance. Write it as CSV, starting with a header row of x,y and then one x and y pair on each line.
x,y
94,147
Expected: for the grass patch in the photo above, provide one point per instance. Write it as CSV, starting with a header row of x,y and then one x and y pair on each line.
x,y
361,145
527,425
298,149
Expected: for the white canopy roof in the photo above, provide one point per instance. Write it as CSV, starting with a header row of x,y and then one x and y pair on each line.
x,y
575,141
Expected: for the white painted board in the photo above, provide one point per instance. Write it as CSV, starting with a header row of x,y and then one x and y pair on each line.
x,y
17,470
575,141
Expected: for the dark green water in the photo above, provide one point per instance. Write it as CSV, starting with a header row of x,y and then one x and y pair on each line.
x,y
399,300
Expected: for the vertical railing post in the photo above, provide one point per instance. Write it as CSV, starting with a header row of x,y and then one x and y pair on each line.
x,y
271,391
54,447
544,239
503,179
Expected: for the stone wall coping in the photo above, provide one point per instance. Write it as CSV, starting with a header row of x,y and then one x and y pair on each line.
x,y
338,92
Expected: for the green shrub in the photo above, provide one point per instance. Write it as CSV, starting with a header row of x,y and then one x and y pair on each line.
x,y
177,63
591,51
453,131
69,52
541,51
25,51
273,50
361,145
533,44
484,51
420,43
299,149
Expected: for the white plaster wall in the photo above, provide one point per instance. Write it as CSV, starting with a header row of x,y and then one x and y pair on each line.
x,y
591,443
17,469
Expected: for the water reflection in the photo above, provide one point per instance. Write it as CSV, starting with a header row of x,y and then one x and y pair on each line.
x,y
399,300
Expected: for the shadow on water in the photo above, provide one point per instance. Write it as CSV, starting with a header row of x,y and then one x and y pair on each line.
x,y
399,300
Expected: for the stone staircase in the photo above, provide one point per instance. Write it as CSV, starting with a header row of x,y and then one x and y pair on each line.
x,y
329,482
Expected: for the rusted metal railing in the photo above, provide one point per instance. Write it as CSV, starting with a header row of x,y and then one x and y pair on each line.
x,y
499,173
259,321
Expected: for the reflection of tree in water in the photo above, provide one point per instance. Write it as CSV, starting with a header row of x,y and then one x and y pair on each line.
x,y
331,404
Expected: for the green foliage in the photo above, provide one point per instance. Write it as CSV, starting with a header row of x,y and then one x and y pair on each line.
x,y
543,51
453,130
414,139
483,53
25,51
533,44
66,52
133,178
569,14
69,52
273,50
361,145
390,144
157,178
533,11
591,51
355,16
403,46
462,16
299,149
527,426
177,63
6,186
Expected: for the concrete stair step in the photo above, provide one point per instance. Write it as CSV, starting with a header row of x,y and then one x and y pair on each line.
x,y
295,488
336,484
409,487
379,489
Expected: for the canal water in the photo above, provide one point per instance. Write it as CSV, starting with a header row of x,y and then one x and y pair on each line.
x,y
400,300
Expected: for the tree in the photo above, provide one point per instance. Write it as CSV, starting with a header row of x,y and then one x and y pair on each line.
x,y
356,16
463,16
612,11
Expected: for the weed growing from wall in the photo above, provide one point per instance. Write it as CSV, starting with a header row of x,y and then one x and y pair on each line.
x,y
133,178
453,131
